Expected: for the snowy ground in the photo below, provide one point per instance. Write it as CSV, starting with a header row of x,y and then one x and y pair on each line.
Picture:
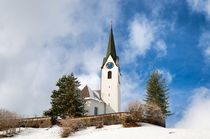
x,y
147,131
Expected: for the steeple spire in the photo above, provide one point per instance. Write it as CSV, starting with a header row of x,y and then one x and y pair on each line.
x,y
111,46
111,49
111,24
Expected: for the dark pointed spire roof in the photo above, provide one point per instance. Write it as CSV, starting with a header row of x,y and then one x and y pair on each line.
x,y
111,49
111,46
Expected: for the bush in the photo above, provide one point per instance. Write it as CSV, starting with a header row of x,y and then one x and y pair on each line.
x,y
99,124
9,121
140,112
45,123
135,109
127,121
70,126
153,111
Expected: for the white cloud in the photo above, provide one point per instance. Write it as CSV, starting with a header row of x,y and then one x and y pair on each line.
x,y
204,44
200,6
197,114
157,6
207,52
161,48
42,40
143,34
92,80
167,75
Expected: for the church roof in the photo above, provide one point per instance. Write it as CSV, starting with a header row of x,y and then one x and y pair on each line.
x,y
111,50
88,93
84,92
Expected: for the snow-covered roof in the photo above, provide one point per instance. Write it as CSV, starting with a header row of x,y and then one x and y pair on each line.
x,y
88,93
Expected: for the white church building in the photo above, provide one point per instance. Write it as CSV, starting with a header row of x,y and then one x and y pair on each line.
x,y
106,100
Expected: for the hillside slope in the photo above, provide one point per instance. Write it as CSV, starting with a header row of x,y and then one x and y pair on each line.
x,y
147,131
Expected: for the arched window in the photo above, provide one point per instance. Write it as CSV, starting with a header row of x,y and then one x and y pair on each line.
x,y
109,74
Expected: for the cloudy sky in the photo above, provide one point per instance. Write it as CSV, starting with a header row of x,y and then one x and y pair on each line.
x,y
41,40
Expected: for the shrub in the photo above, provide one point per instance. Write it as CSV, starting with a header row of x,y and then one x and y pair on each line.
x,y
128,121
153,111
136,110
45,123
133,124
70,126
99,124
9,121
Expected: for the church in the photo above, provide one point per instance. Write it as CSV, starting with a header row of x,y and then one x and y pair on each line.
x,y
107,99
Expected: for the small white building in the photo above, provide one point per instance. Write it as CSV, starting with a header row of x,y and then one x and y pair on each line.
x,y
106,100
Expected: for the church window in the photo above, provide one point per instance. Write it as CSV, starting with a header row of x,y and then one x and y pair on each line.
x,y
109,74
95,111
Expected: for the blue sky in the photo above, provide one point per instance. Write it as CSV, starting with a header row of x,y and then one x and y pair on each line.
x,y
42,40
181,29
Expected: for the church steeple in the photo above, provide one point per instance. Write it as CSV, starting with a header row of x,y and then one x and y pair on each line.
x,y
110,78
111,49
111,46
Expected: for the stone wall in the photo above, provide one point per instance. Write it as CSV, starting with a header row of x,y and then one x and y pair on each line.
x,y
115,118
37,122
107,119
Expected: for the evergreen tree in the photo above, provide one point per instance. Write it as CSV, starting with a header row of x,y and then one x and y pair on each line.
x,y
157,92
66,100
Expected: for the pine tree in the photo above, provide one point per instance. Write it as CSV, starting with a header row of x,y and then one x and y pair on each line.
x,y
66,100
157,92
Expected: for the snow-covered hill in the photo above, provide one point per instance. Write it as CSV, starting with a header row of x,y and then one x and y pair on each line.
x,y
147,131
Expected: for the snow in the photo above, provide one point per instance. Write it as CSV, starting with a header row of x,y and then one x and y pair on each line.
x,y
39,133
147,131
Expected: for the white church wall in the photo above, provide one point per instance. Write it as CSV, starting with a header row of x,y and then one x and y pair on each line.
x,y
91,104
110,88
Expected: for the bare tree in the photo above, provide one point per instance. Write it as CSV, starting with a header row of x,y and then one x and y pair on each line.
x,y
140,112
9,122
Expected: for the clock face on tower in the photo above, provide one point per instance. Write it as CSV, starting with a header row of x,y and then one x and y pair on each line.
x,y
109,65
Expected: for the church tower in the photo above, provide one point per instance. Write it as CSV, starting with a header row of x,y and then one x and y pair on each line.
x,y
110,78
